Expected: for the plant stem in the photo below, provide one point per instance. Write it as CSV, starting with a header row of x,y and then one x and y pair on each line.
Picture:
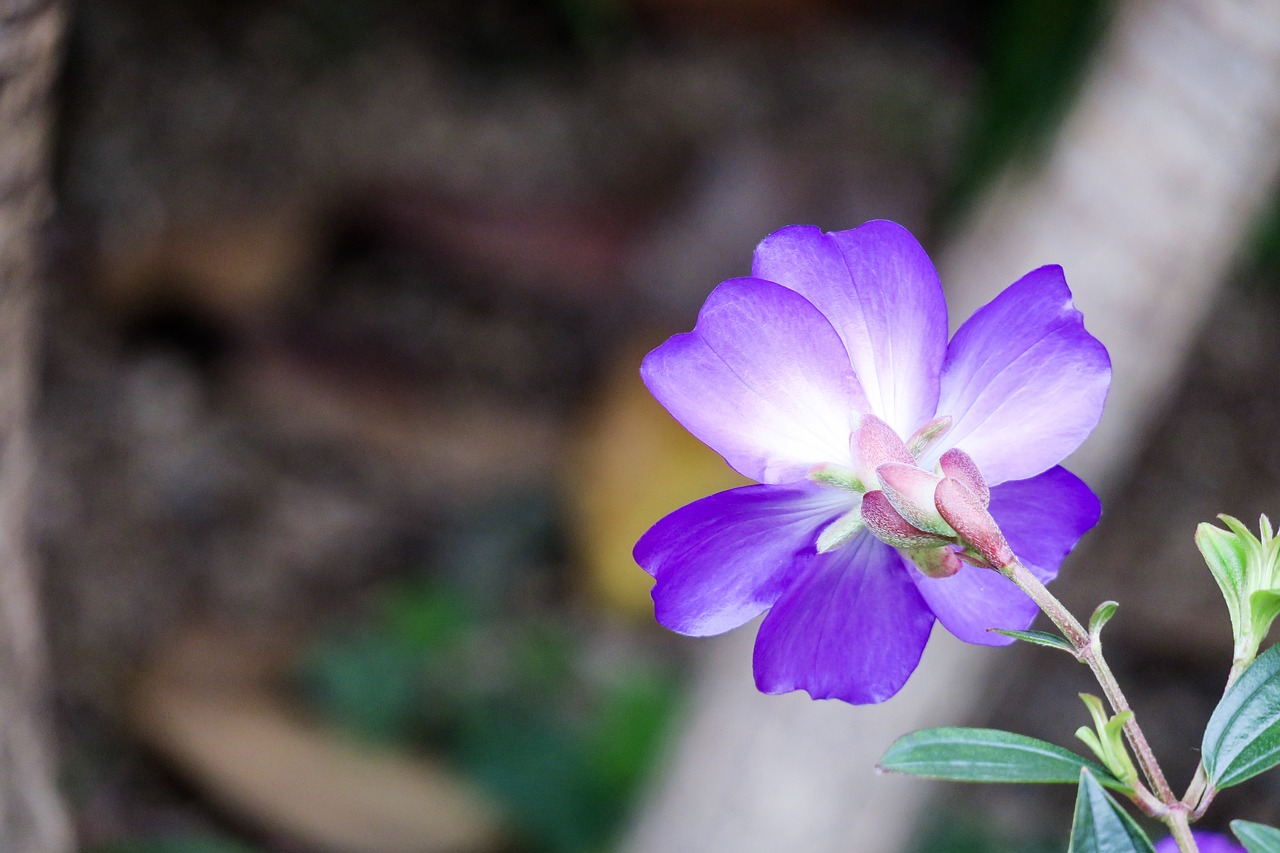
x,y
1180,828
1089,651
1200,792
1176,814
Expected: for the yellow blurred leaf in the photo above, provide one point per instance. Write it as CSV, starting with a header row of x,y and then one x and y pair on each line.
x,y
632,464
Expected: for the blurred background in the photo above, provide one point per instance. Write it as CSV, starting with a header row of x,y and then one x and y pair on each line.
x,y
342,446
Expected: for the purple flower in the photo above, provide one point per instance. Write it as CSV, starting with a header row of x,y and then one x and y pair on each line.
x,y
826,376
1208,842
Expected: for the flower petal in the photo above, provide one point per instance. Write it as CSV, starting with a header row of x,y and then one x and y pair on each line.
x,y
762,379
723,560
1023,380
1208,842
880,291
852,626
973,600
1042,518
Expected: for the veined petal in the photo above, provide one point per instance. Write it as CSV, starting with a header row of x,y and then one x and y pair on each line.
x,y
1023,380
1208,842
723,560
973,600
763,379
881,292
1042,518
851,626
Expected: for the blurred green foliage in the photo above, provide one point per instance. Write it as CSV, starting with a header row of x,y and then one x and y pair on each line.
x,y
509,703
1032,59
176,844
951,832
483,667
1260,264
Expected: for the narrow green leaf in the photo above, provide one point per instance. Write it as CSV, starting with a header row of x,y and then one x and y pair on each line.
x,y
1039,638
1101,616
1090,738
1257,837
1106,739
1243,735
1101,826
987,755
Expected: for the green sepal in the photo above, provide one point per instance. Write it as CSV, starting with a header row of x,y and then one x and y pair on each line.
x,y
1101,826
927,434
1039,638
1243,735
836,477
1257,837
840,531
987,755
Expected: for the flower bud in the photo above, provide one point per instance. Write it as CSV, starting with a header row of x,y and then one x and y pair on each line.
x,y
874,443
928,434
910,490
889,527
965,512
958,465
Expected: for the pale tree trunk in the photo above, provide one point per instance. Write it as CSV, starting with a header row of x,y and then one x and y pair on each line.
x,y
1162,163
31,815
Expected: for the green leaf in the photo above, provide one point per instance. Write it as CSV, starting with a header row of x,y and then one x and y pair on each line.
x,y
1039,638
1101,616
1243,735
1106,740
1257,837
1101,826
987,755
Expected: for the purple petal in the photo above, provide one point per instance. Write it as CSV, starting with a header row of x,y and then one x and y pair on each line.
x,y
880,291
973,600
723,560
1042,518
851,627
1023,379
762,379
1208,842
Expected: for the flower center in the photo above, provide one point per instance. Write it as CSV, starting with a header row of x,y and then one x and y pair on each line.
x,y
897,499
